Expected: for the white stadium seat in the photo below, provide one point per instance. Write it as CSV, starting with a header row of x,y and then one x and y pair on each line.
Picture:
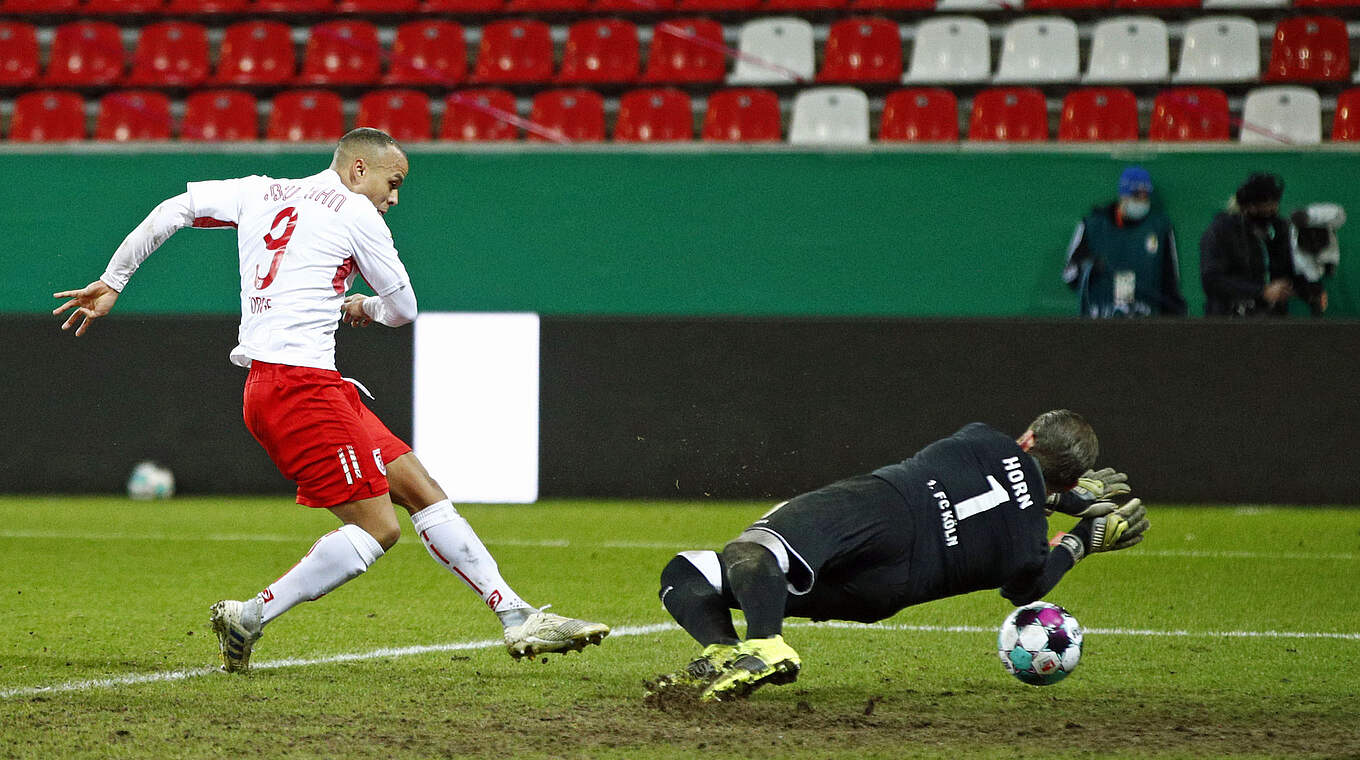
x,y
950,50
1038,49
952,6
782,41
1220,49
830,116
1282,116
1222,4
1129,49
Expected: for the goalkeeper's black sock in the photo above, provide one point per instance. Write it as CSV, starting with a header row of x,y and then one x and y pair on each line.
x,y
759,586
695,604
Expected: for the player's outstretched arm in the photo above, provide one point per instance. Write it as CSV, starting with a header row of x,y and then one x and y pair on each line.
x,y
89,303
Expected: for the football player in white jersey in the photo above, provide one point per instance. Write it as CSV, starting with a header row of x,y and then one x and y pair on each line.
x,y
301,243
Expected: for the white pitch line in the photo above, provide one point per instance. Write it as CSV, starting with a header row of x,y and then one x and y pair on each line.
x,y
291,662
637,630
562,543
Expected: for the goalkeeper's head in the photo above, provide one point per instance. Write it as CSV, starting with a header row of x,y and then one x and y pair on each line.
x,y
1064,445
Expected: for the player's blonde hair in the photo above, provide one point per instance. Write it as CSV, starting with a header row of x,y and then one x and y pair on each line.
x,y
1065,447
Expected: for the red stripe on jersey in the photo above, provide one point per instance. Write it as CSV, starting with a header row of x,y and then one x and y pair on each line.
x,y
342,274
206,222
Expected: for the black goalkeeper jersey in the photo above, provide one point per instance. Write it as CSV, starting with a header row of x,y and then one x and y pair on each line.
x,y
976,501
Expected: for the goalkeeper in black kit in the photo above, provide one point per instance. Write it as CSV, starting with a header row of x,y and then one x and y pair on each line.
x,y
967,512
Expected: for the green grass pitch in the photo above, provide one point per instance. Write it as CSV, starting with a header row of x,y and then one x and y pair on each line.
x,y
1230,632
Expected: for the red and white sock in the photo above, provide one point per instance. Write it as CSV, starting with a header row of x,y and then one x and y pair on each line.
x,y
336,557
452,543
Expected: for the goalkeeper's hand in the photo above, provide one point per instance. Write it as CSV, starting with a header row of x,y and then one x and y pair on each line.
x,y
1097,493
1116,528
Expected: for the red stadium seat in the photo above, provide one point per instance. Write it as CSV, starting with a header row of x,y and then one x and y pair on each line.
x,y
478,116
256,53
44,7
687,50
632,6
462,6
742,115
1310,49
863,49
599,51
311,115
206,7
43,116
170,54
133,115
293,7
123,7
392,7
1009,114
219,115
662,115
514,51
86,54
892,5
1326,3
577,115
428,52
342,53
1190,114
403,114
920,115
18,54
712,6
1346,122
545,6
1099,114
781,6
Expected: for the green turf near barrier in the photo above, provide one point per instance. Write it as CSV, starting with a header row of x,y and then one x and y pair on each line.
x,y
1179,662
953,232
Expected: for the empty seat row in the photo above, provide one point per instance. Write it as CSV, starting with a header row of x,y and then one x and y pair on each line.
x,y
945,50
399,7
820,115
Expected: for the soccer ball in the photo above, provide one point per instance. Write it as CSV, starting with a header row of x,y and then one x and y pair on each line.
x,y
150,481
1039,643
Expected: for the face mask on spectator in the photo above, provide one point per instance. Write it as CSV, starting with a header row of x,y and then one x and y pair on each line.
x,y
1135,209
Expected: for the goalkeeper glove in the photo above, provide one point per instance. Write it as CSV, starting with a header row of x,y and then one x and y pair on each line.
x,y
1116,528
1094,495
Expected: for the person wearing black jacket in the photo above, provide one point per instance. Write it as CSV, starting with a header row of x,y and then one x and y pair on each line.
x,y
1245,262
967,512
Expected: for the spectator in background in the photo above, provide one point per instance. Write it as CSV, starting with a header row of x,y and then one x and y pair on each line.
x,y
1122,259
1316,250
1246,263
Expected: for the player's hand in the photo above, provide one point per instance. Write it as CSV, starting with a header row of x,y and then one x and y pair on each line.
x,y
352,313
1098,492
90,303
1121,528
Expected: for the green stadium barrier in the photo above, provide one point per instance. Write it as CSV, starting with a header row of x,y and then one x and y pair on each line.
x,y
957,232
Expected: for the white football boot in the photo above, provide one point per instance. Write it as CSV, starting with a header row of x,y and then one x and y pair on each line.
x,y
544,632
238,627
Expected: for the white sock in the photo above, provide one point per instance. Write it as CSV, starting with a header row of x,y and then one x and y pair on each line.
x,y
451,542
336,557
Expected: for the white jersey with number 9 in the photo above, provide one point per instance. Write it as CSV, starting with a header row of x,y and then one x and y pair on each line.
x,y
301,242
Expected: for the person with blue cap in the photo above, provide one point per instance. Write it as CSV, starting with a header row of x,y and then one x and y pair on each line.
x,y
1122,259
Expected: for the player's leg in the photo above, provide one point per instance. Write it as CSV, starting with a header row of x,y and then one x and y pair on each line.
x,y
369,529
454,545
692,592
757,566
307,420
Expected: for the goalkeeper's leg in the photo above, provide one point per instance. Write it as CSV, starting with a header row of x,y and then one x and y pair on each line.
x,y
691,591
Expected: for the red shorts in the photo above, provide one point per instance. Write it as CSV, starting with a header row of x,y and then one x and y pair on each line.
x,y
318,433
